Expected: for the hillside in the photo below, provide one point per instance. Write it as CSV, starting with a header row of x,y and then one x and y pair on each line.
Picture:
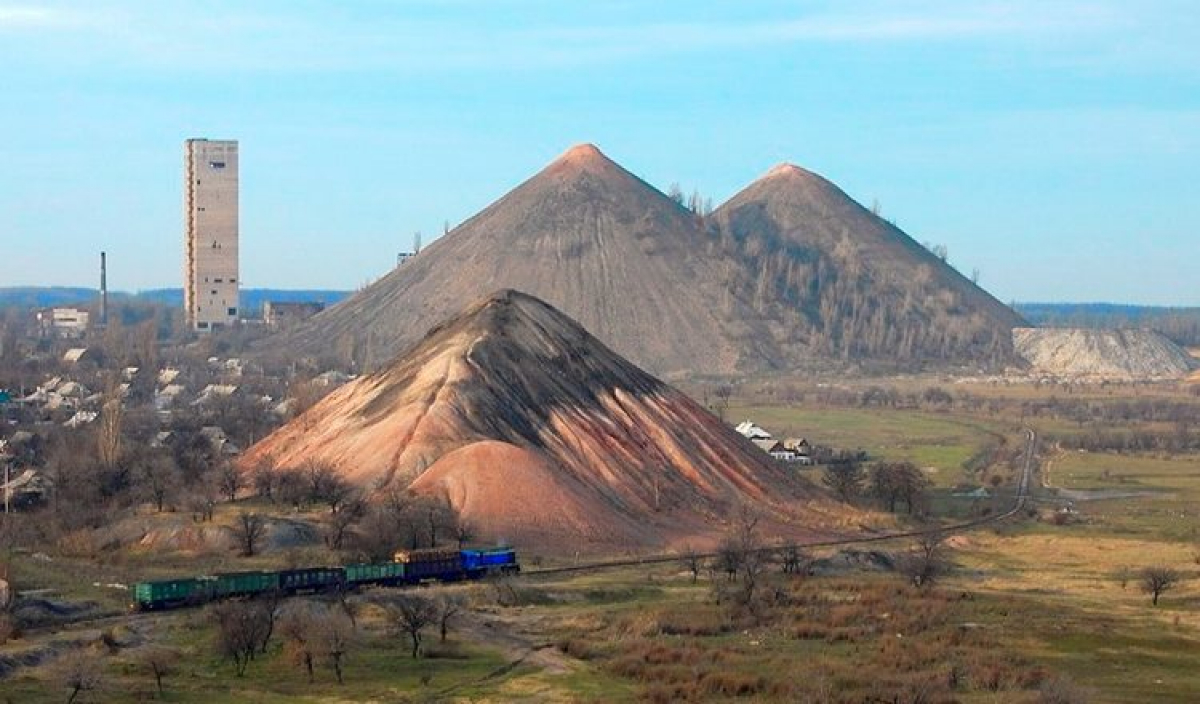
x,y
781,276
1102,354
539,433
832,277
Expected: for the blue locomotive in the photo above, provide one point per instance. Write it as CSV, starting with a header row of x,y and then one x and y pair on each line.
x,y
407,567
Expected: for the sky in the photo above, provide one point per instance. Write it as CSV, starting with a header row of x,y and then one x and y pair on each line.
x,y
1052,146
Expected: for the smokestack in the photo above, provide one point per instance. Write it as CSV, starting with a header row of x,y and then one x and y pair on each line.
x,y
103,291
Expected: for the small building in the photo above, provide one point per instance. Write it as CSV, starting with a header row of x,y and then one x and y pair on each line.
x,y
801,446
749,430
284,313
215,391
75,355
219,440
63,322
81,418
775,449
26,489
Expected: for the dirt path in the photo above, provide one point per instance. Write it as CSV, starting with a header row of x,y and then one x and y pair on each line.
x,y
520,643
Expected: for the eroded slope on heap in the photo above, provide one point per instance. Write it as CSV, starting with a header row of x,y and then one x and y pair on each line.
x,y
533,428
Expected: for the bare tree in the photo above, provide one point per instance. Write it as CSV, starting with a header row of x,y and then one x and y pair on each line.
x,y
318,477
248,530
742,555
158,476
692,562
341,521
792,559
161,661
296,628
240,629
1158,580
109,436
411,614
79,672
333,634
264,480
464,531
337,492
722,394
926,562
845,478
229,480
291,487
448,607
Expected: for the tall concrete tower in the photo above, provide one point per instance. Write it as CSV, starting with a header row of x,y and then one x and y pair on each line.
x,y
210,239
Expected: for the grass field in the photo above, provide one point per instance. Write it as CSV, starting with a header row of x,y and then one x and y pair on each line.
x,y
1027,603
939,443
1151,498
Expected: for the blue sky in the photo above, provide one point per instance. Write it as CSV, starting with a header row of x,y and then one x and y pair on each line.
x,y
1055,146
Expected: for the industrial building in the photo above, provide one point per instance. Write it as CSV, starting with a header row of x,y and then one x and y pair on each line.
x,y
210,211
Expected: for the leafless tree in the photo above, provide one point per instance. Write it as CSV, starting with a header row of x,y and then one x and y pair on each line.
x,y
264,480
926,562
448,607
319,477
338,492
79,672
229,480
291,487
240,631
722,394
158,476
109,436
411,614
376,540
844,478
296,628
743,556
692,562
249,529
160,661
791,559
333,634
342,521
464,531
1158,580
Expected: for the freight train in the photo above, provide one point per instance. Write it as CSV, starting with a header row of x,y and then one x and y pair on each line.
x,y
406,568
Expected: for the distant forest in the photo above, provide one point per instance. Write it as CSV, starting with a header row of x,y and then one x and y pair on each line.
x,y
1180,325
252,298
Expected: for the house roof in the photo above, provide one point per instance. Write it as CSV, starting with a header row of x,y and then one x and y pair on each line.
x,y
767,444
75,354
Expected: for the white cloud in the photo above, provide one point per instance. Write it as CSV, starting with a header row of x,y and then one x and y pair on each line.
x,y
279,37
33,17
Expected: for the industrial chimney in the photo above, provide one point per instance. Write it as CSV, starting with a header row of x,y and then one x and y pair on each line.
x,y
103,291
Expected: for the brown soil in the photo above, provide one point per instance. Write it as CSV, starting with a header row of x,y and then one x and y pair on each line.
x,y
538,433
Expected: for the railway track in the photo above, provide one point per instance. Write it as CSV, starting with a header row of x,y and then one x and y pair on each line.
x,y
1019,503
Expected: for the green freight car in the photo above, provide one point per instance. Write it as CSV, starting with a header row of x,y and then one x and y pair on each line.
x,y
388,573
311,579
171,592
243,583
